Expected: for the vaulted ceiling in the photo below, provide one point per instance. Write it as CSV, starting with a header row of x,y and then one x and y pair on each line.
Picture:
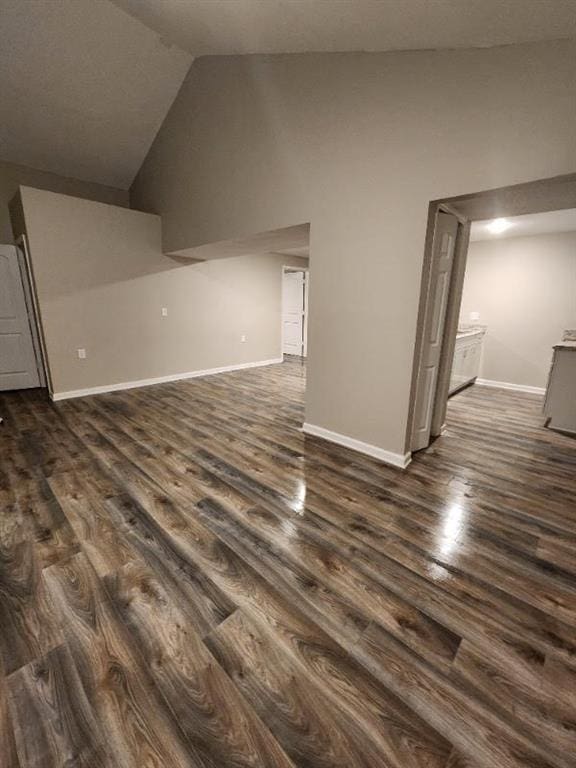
x,y
84,88
295,26
86,84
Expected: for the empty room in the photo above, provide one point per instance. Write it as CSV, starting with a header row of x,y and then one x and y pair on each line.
x,y
288,384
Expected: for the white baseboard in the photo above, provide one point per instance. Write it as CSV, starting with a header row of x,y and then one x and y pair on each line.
x,y
388,457
158,380
514,387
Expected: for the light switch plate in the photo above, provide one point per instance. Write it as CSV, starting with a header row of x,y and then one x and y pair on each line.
x,y
82,354
164,311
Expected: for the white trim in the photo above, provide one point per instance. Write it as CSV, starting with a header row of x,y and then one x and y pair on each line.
x,y
508,385
159,380
562,430
395,459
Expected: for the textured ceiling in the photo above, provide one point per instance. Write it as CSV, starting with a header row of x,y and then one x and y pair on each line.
x,y
84,88
294,26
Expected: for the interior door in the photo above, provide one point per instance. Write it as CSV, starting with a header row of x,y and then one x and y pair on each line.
x,y
18,366
441,270
293,309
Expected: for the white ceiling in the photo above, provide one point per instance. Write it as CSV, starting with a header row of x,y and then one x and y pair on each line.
x,y
294,26
84,88
530,224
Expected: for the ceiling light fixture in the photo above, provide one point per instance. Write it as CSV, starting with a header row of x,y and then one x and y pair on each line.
x,y
498,226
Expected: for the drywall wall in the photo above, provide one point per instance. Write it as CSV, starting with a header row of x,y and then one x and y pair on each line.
x,y
12,176
356,144
525,291
102,281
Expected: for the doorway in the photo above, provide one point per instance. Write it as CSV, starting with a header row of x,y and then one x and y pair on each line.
x,y
442,289
295,283
21,365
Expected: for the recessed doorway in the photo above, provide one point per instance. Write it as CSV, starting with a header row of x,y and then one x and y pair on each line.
x,y
295,284
440,324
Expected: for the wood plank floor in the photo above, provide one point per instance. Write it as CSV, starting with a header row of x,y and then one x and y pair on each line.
x,y
188,580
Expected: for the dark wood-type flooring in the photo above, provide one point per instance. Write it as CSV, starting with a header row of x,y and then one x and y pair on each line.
x,y
187,580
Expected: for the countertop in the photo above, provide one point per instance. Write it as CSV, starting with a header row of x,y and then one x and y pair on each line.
x,y
566,345
471,330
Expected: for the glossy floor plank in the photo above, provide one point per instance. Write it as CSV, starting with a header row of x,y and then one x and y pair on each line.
x,y
188,580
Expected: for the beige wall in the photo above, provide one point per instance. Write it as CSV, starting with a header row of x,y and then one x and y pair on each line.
x,y
525,291
12,176
357,144
102,281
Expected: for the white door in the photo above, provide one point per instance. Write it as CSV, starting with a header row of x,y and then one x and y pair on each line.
x,y
18,368
293,312
441,271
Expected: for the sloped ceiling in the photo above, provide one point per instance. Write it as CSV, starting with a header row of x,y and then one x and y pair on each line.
x,y
295,26
84,88
86,84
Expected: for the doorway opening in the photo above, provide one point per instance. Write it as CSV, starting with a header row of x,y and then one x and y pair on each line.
x,y
22,357
488,321
295,289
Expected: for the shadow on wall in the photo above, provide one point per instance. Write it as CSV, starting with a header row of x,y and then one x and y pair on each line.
x,y
507,365
79,245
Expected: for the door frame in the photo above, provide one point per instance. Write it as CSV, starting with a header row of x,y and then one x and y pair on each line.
x,y
536,196
33,310
306,270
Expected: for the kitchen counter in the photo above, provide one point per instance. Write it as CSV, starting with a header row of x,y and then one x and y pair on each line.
x,y
470,330
565,345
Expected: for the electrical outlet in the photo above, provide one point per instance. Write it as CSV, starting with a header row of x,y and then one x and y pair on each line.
x,y
243,338
82,354
474,316
164,311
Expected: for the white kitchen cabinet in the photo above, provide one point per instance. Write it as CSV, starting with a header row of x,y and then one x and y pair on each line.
x,y
560,403
467,358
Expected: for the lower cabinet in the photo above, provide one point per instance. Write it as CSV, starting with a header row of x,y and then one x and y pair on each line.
x,y
560,403
467,357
